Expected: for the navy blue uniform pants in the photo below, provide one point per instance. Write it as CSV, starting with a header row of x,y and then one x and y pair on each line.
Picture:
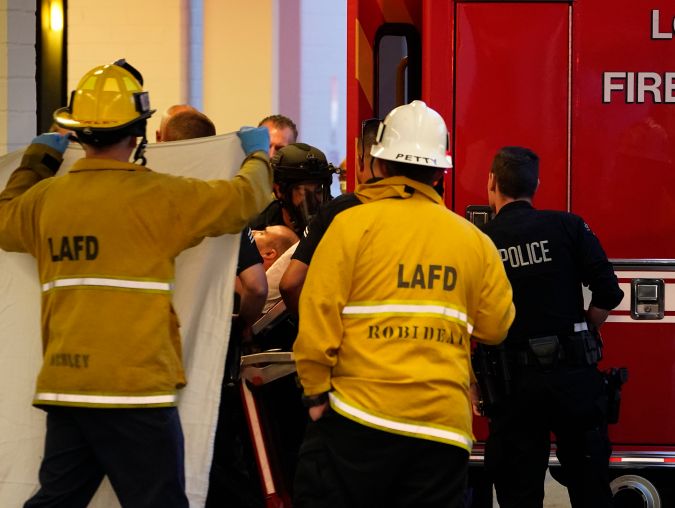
x,y
344,464
140,450
571,403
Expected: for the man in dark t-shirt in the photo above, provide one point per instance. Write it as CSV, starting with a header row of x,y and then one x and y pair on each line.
x,y
294,277
302,178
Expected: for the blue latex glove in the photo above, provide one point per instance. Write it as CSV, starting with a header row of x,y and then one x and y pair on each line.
x,y
254,139
54,140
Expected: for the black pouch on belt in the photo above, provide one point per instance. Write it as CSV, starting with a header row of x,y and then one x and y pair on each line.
x,y
546,350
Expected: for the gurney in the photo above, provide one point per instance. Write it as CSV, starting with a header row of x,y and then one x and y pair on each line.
x,y
271,402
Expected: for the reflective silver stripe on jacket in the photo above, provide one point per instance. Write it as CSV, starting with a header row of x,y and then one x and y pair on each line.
x,y
580,327
101,282
410,429
402,309
106,399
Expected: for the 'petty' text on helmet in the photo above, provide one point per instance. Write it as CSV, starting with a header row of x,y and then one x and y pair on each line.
x,y
413,134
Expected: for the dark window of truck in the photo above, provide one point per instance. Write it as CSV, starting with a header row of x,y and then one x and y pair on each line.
x,y
398,73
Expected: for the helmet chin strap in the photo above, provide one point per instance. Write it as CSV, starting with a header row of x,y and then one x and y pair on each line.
x,y
139,154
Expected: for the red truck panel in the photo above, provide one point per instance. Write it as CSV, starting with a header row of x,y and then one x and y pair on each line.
x,y
511,88
623,158
648,400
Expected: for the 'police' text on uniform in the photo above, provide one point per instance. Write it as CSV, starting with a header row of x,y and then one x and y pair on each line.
x,y
528,254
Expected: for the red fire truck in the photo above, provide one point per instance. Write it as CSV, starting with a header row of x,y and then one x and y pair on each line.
x,y
590,86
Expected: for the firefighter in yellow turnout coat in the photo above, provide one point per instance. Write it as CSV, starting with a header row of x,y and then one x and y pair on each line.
x,y
105,237
395,291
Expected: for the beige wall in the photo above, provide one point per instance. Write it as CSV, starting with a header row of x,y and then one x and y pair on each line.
x,y
239,76
3,76
150,34
153,36
238,62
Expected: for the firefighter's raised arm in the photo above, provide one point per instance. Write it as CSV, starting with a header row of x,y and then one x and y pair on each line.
x,y
41,160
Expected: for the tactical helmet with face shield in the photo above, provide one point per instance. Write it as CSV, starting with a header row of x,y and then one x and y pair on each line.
x,y
303,176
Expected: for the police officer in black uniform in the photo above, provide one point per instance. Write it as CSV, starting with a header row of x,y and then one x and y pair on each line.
x,y
302,178
548,376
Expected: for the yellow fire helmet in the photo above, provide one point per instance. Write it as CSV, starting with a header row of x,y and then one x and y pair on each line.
x,y
108,98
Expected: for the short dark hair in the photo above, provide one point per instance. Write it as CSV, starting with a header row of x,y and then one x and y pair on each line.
x,y
368,136
423,174
188,125
281,121
516,171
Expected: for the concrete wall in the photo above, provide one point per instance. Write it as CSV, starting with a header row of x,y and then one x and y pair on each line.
x,y
17,74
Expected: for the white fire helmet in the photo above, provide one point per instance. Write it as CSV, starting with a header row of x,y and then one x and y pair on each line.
x,y
413,134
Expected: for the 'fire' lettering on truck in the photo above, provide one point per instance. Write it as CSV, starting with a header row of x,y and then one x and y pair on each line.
x,y
634,87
